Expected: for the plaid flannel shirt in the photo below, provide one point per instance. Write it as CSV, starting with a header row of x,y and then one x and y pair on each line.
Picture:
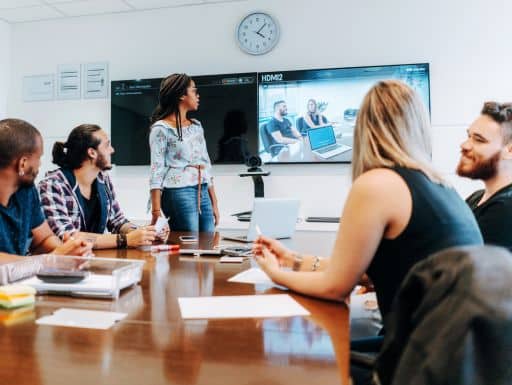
x,y
62,209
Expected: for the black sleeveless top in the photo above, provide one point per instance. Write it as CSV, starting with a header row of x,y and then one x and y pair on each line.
x,y
439,219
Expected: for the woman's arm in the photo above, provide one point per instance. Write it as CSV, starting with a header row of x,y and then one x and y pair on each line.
x,y
379,205
158,148
215,207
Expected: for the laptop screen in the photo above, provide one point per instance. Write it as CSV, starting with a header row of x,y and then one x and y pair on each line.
x,y
321,137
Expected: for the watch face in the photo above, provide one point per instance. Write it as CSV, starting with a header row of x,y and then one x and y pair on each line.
x,y
257,33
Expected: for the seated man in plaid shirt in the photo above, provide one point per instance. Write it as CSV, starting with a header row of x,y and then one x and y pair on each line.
x,y
79,196
23,229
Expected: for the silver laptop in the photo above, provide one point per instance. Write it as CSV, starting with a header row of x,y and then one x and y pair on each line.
x,y
276,218
323,142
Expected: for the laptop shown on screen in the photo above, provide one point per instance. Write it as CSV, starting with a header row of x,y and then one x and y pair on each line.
x,y
276,218
323,142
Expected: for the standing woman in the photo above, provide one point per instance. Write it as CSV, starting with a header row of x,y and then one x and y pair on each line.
x,y
180,182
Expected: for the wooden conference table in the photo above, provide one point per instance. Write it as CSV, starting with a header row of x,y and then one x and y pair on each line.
x,y
153,345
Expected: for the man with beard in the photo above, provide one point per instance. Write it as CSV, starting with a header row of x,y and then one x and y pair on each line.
x,y
280,127
487,156
23,228
79,196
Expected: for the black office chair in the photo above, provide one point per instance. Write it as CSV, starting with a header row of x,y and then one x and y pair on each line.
x,y
451,322
302,126
269,143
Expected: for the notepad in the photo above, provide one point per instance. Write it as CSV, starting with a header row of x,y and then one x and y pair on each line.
x,y
243,306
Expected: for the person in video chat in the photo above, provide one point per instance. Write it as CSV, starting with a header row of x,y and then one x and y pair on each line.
x,y
391,218
314,118
486,155
280,127
181,183
23,228
79,196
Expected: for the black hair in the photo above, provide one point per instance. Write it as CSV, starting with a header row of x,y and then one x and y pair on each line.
x,y
73,153
17,138
278,103
172,88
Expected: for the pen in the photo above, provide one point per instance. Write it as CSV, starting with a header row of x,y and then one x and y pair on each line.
x,y
165,248
258,230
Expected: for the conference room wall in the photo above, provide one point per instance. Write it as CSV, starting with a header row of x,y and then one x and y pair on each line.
x,y
468,66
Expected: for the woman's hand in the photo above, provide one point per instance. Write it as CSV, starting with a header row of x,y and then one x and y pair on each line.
x,y
140,237
284,256
74,246
267,261
216,215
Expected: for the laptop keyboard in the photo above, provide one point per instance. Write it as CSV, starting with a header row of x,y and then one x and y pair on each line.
x,y
328,149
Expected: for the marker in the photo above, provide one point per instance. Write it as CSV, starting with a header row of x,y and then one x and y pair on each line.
x,y
258,230
165,248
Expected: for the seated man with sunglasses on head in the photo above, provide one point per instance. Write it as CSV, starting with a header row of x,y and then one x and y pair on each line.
x,y
487,155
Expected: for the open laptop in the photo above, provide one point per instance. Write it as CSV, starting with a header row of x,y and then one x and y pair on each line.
x,y
323,142
276,218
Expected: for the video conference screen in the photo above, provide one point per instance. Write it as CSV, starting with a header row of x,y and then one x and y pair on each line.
x,y
227,112
305,116
309,116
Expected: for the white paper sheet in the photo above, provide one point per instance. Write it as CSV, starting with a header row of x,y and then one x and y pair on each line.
x,y
244,306
78,318
228,259
256,276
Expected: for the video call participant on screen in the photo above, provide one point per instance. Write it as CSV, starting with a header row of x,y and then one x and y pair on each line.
x,y
280,127
391,216
23,228
313,117
79,196
487,155
181,182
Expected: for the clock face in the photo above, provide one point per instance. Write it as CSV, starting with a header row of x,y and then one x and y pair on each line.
x,y
257,33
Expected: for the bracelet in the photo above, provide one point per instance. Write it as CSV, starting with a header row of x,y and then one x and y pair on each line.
x,y
297,262
155,211
122,242
316,264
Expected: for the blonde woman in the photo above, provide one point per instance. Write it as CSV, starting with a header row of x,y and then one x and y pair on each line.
x,y
399,209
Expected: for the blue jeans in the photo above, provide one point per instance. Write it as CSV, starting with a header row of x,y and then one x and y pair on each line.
x,y
180,206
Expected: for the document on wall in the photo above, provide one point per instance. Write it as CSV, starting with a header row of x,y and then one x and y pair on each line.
x,y
68,81
96,80
243,306
38,88
255,276
78,318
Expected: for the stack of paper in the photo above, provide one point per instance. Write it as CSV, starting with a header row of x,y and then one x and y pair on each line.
x,y
256,276
243,306
77,318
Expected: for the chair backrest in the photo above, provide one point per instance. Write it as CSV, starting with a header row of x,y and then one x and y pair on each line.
x,y
268,141
301,125
451,322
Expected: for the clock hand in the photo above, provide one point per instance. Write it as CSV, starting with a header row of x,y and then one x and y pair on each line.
x,y
257,33
259,30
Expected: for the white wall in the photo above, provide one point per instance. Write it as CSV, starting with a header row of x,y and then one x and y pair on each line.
x,y
5,61
465,42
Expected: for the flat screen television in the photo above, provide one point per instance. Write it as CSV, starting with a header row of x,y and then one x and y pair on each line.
x,y
308,116
227,111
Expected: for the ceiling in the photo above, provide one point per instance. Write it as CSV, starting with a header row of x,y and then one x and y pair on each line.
x,y
19,11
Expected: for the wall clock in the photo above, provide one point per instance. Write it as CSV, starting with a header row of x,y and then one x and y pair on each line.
x,y
257,33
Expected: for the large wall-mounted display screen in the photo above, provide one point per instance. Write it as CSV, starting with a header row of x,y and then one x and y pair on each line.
x,y
308,116
227,111
301,116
